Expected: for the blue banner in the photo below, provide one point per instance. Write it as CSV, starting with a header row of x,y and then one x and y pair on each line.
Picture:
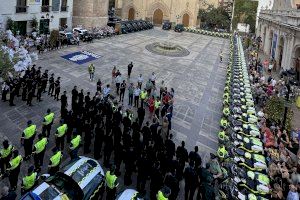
x,y
81,57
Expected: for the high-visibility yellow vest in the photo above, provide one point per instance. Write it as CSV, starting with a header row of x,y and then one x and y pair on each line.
x,y
48,119
40,145
143,95
160,196
110,180
29,131
61,131
55,159
15,162
28,181
156,104
5,152
222,152
75,142
91,68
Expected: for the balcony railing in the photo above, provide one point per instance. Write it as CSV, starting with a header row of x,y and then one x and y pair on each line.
x,y
64,8
45,8
21,9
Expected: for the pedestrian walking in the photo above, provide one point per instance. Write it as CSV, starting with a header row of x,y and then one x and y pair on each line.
x,y
130,94
55,161
99,85
221,56
39,151
47,123
27,138
122,91
118,82
113,74
153,78
140,81
91,71
136,92
129,69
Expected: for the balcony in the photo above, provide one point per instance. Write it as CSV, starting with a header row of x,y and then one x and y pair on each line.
x,y
21,9
45,8
64,8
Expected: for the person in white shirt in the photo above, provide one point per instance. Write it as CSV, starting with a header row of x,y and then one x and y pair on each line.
x,y
106,91
140,81
262,79
153,78
136,93
273,82
118,82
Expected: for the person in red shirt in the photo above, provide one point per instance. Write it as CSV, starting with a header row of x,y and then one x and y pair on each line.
x,y
151,105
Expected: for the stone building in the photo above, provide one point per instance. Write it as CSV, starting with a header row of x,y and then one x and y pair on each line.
x,y
178,11
280,33
90,13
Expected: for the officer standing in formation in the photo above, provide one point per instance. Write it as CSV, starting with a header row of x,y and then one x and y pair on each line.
x,y
111,183
60,135
28,136
39,151
28,181
5,154
55,161
14,169
47,122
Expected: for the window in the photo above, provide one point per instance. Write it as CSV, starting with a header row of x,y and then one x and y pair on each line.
x,y
64,6
45,6
21,6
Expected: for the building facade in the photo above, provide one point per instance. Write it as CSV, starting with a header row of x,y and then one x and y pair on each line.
x,y
280,33
50,14
183,11
90,13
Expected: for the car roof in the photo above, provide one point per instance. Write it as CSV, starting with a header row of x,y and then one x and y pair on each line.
x,y
127,194
76,167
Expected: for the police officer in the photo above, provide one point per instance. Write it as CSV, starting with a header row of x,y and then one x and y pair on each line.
x,y
29,180
5,153
28,137
92,71
111,183
143,96
164,193
60,135
74,146
57,88
51,85
14,169
39,151
47,122
44,80
157,106
55,161
39,91
222,152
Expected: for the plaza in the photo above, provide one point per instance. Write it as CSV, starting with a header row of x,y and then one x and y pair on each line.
x,y
198,80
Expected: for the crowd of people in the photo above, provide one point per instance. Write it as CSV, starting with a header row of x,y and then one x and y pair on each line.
x,y
281,145
139,136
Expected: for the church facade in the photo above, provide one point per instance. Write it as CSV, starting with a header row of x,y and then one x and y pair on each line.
x,y
157,11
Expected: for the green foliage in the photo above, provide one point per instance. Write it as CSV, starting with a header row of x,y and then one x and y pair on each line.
x,y
54,36
11,25
212,18
6,65
275,111
245,12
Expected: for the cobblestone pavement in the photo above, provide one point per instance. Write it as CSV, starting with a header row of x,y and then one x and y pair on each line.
x,y
198,80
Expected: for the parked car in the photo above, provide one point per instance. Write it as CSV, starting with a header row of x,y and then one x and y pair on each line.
x,y
67,38
145,25
149,24
135,27
167,25
129,194
130,27
140,26
81,179
80,31
87,37
179,28
124,28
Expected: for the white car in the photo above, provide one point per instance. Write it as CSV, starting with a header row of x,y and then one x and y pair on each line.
x,y
80,31
129,194
81,179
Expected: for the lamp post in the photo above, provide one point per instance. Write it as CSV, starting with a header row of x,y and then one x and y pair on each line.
x,y
46,25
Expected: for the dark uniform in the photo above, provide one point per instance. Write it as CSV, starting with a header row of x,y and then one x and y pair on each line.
x,y
44,80
57,88
14,169
51,85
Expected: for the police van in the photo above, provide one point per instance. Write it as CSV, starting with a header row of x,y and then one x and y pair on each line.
x,y
129,194
81,179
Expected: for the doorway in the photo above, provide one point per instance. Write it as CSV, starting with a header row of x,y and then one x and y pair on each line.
x,y
131,14
158,17
186,20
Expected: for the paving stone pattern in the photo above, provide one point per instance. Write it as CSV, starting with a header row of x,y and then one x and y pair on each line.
x,y
198,80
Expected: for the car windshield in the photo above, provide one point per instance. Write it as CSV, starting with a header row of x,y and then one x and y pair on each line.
x,y
50,193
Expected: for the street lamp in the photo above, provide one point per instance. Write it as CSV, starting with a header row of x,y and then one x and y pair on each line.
x,y
46,25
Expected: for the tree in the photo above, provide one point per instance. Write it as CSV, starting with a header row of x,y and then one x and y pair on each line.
x,y
214,18
245,12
